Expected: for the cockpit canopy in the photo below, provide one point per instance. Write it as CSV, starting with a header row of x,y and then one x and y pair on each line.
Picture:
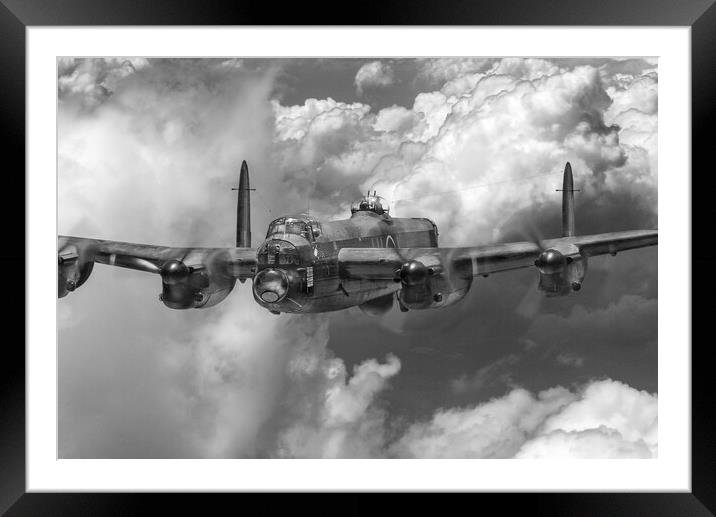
x,y
375,204
297,225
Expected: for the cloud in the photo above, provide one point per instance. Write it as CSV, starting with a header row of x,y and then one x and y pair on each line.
x,y
570,360
631,319
610,420
154,162
503,371
90,81
604,419
232,373
441,70
497,372
575,337
603,442
458,76
171,137
512,120
344,420
375,74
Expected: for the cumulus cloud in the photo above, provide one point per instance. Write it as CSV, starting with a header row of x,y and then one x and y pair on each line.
x,y
344,420
512,120
610,419
154,162
225,382
375,74
602,442
444,69
232,374
170,137
604,419
90,81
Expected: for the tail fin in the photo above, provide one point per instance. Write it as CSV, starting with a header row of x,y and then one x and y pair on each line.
x,y
568,202
243,210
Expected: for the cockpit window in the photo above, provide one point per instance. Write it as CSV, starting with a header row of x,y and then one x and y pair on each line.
x,y
289,225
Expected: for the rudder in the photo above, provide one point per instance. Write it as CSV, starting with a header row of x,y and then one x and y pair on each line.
x,y
243,209
567,202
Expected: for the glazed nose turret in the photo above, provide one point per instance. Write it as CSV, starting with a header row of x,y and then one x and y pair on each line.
x,y
271,285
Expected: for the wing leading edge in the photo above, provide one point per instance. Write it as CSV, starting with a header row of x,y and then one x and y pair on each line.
x,y
191,277
237,262
385,263
603,243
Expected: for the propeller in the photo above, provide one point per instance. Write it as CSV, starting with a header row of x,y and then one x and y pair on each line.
x,y
412,273
180,281
174,272
214,264
551,261
531,303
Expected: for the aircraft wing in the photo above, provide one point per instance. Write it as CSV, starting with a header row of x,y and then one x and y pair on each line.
x,y
603,243
76,257
385,263
237,262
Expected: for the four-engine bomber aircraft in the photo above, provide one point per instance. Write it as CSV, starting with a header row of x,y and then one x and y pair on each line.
x,y
370,260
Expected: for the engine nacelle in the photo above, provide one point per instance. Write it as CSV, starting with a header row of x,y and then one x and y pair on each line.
x,y
186,287
74,267
562,271
427,285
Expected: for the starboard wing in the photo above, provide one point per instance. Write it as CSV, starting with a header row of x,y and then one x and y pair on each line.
x,y
603,243
386,263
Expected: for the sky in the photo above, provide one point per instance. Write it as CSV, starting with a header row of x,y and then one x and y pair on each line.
x,y
148,150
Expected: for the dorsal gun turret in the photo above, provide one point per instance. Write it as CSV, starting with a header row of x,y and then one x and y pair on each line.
x,y
371,203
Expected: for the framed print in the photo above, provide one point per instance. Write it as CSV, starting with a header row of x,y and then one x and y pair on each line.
x,y
446,240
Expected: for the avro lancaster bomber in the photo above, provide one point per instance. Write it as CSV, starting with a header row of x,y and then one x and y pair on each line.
x,y
371,260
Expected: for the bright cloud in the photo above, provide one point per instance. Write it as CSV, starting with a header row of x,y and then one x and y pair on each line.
x,y
166,136
375,74
508,122
605,419
343,418
444,69
92,80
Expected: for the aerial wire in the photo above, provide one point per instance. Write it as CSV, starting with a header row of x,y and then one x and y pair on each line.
x,y
260,198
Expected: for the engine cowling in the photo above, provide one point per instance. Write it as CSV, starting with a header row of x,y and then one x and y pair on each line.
x,y
561,271
74,267
192,287
425,284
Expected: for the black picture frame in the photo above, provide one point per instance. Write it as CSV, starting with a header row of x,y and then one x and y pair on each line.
x,y
700,15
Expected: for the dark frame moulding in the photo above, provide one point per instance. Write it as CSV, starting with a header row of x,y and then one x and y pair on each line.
x,y
700,15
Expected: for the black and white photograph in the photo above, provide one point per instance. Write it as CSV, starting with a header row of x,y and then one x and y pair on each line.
x,y
378,257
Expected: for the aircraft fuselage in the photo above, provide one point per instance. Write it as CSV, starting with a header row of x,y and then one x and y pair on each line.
x,y
297,267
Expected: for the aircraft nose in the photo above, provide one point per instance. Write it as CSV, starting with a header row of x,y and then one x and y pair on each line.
x,y
271,285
